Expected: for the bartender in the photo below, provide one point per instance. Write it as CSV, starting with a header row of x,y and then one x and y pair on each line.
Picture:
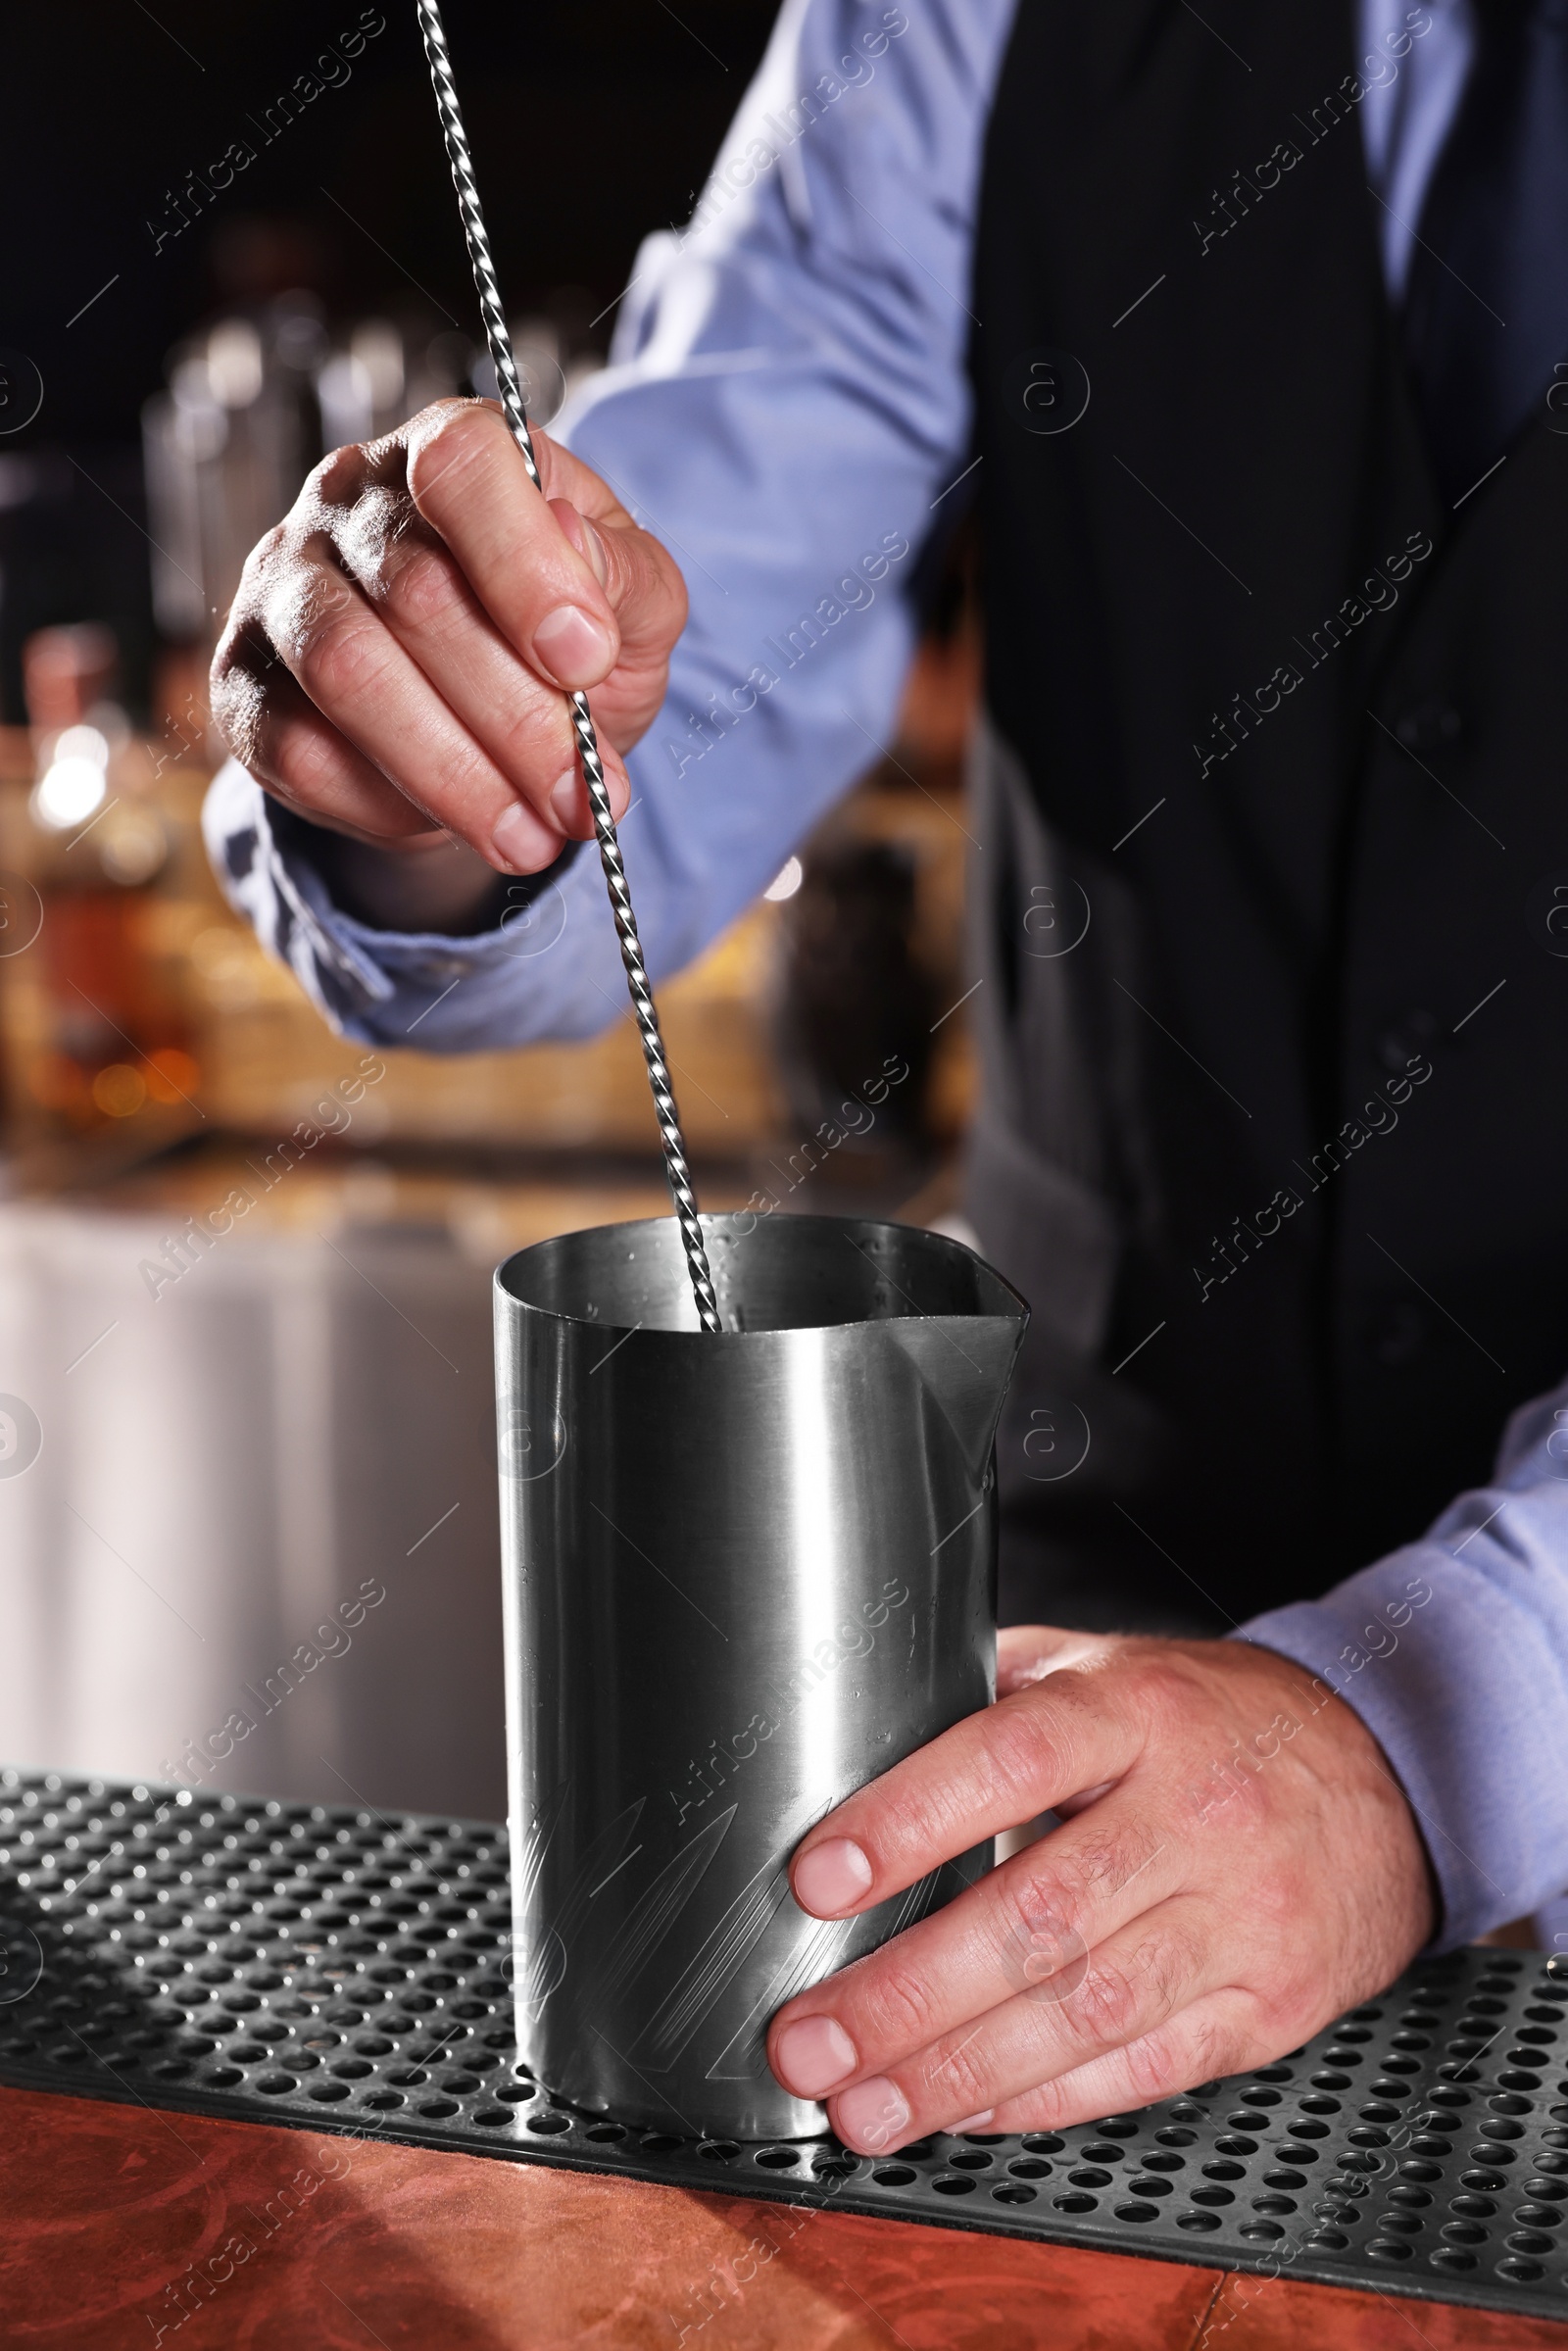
x,y
1243,334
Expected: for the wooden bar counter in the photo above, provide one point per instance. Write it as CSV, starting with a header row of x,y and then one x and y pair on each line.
x,y
310,2241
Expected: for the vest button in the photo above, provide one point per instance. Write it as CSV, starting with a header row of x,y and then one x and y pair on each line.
x,y
1405,1038
1430,726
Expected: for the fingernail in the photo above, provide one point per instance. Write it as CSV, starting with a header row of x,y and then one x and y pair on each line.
x,y
813,2053
872,2114
523,840
565,801
971,2121
831,1877
573,645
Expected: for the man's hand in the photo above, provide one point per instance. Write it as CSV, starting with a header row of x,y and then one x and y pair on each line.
x,y
394,663
1239,1867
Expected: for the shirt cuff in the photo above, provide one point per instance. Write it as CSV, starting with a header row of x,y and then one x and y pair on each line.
x,y
550,968
1452,1652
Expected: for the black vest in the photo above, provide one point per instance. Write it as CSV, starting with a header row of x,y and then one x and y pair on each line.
x,y
1290,1117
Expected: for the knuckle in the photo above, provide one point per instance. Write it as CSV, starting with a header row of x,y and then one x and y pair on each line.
x,y
1287,2010
370,534
897,2005
336,482
439,416
955,2074
448,440
1164,1968
1041,1921
1164,1690
536,745
1044,2108
238,707
1107,2002
1155,2069
1021,1747
1215,2049
1101,1862
263,560
335,656
301,757
418,586
1228,1799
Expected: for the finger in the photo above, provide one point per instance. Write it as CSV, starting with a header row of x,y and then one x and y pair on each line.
x,y
522,724
571,806
1027,1653
650,600
467,478
361,678
1133,1983
1218,2034
1018,1759
1067,1808
1027,1928
274,731
639,576
584,535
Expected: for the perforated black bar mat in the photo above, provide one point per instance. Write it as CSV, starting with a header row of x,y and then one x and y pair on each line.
x,y
345,1970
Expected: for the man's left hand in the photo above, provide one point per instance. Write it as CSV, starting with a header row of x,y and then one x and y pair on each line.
x,y
1236,1865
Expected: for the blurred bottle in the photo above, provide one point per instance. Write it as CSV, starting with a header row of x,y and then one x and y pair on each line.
x,y
106,1037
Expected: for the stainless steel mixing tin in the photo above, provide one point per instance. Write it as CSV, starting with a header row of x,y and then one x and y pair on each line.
x,y
744,1574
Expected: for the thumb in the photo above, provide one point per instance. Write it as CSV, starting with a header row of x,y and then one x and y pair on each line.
x,y
584,537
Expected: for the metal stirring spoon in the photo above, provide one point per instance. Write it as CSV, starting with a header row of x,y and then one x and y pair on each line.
x,y
631,955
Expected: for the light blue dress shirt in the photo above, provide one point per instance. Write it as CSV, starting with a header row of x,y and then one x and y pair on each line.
x,y
787,409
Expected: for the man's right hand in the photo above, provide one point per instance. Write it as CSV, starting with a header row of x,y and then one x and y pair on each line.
x,y
395,661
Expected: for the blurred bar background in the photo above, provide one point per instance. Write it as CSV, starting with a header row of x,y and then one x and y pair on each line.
x,y
213,1454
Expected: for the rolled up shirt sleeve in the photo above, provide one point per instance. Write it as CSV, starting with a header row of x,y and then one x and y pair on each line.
x,y
787,408
1454,1653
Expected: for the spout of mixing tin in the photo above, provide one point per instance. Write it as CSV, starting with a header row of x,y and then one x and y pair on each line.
x,y
964,1362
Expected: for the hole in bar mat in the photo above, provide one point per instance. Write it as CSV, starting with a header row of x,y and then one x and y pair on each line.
x,y
348,1970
